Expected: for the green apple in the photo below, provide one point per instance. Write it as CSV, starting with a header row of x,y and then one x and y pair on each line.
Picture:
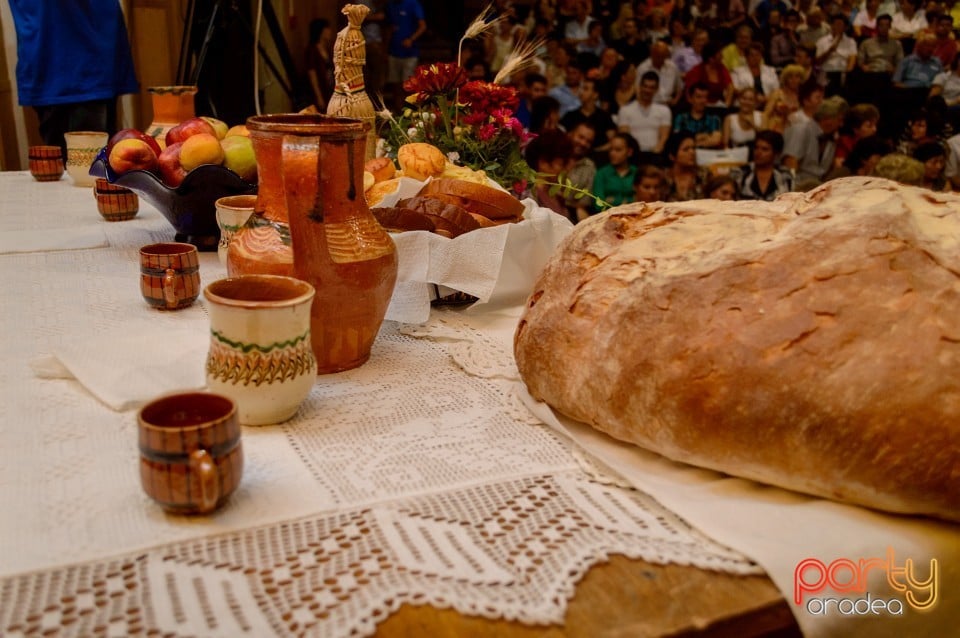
x,y
219,126
238,156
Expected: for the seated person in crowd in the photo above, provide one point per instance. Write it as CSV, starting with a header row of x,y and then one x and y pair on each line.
x,y
545,115
721,187
551,154
764,178
581,171
944,45
909,21
534,86
900,168
783,46
591,113
706,128
934,158
740,128
712,74
683,179
947,85
809,147
952,170
734,55
785,101
877,59
862,158
632,47
567,93
865,22
648,184
671,81
917,70
613,182
836,54
648,122
861,122
757,75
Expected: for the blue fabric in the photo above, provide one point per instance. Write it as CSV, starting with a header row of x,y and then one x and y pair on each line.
x,y
404,16
71,51
917,73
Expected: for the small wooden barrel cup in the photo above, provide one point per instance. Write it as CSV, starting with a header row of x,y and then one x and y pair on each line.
x,y
115,203
169,275
191,457
46,163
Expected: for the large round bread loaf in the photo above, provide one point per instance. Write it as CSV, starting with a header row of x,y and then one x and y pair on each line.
x,y
811,343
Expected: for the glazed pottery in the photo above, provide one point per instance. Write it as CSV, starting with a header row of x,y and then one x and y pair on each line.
x,y
191,457
46,163
115,203
338,245
263,246
169,275
190,207
82,149
232,214
171,105
260,354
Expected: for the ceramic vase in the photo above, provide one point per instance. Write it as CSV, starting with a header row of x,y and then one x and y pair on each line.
x,y
260,354
338,245
263,245
171,105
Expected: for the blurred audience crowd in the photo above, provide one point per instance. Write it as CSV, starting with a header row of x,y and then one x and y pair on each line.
x,y
651,100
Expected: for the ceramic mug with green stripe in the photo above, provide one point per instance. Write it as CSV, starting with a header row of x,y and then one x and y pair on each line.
x,y
260,350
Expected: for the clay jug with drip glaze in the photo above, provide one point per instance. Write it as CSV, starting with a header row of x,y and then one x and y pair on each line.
x,y
338,246
262,246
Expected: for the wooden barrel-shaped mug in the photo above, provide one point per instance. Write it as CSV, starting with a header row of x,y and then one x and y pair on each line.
x,y
115,203
191,458
46,163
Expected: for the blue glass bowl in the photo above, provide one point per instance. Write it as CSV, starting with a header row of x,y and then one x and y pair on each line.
x,y
190,208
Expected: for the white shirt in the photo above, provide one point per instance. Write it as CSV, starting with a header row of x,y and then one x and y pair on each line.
x,y
950,83
577,31
902,26
953,157
644,123
743,78
670,79
838,59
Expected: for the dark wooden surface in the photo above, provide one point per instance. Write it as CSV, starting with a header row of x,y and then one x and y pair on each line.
x,y
630,599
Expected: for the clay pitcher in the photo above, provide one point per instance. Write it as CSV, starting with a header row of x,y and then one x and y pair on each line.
x,y
338,245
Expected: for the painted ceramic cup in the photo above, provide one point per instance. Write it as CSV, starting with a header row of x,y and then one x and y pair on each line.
x,y
114,202
46,163
232,214
261,355
191,458
82,149
169,275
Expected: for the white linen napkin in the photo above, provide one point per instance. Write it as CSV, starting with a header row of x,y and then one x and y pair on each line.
x,y
30,241
778,529
125,371
497,265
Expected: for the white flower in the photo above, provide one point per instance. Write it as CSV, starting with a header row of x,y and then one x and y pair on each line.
x,y
412,131
453,156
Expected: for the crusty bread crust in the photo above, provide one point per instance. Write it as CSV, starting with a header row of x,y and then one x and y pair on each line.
x,y
475,198
811,343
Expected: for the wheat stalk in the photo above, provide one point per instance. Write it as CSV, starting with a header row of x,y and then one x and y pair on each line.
x,y
521,57
478,27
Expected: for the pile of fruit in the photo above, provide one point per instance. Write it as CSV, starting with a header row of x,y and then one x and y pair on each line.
x,y
192,143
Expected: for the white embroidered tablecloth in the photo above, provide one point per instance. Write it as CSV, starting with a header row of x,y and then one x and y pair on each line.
x,y
418,478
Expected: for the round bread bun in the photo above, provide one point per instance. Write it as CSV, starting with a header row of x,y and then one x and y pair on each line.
x,y
420,161
382,168
475,198
368,180
380,190
402,219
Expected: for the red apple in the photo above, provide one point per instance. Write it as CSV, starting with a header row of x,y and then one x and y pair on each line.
x,y
189,128
132,154
132,134
171,172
